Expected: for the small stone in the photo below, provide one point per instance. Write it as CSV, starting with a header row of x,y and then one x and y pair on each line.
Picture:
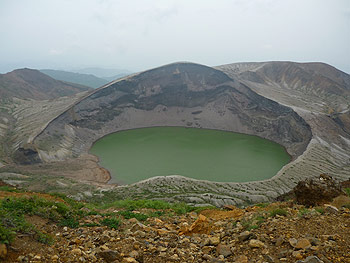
x,y
244,236
134,254
54,257
133,220
104,238
108,255
293,241
303,244
22,259
331,209
76,251
215,240
104,247
140,233
241,259
311,259
3,250
269,259
162,249
315,242
279,241
129,260
205,242
283,253
297,254
223,250
254,243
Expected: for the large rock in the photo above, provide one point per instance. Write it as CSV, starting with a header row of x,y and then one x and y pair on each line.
x,y
312,192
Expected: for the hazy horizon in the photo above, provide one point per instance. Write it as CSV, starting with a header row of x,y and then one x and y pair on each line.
x,y
138,35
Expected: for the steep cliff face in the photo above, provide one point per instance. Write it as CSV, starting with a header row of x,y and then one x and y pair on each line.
x,y
180,94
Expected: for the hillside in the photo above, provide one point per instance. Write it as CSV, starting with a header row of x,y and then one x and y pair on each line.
x,y
37,227
314,86
30,99
32,84
88,80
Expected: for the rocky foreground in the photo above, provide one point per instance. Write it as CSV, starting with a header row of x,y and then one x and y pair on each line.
x,y
276,232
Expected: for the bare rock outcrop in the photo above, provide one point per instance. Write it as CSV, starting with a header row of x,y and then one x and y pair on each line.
x,y
312,192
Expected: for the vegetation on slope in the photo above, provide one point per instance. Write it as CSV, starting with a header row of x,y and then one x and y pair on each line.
x,y
38,227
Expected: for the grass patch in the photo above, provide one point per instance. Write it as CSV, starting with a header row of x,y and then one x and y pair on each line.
x,y
262,205
130,205
13,211
278,211
303,211
347,191
253,223
69,222
7,188
112,222
129,214
319,210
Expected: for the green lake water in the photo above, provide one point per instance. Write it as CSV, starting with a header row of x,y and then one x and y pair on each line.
x,y
138,154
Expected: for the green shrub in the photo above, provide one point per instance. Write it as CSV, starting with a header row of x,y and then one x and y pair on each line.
x,y
6,235
156,214
253,223
262,205
278,211
303,212
178,208
6,188
111,222
129,214
44,238
319,210
347,191
69,222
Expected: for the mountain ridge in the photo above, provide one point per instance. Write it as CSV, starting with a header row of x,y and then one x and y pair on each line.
x,y
32,84
88,80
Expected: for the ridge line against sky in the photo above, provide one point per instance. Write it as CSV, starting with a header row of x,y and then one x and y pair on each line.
x,y
138,35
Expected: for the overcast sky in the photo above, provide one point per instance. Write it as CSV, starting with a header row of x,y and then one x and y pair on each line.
x,y
141,34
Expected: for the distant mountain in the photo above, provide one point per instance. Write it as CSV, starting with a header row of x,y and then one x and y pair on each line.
x,y
118,76
79,78
104,73
30,83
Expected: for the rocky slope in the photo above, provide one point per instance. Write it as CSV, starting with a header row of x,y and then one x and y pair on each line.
x,y
148,231
29,100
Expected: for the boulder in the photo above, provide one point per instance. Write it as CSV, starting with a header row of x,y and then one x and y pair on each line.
x,y
317,191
